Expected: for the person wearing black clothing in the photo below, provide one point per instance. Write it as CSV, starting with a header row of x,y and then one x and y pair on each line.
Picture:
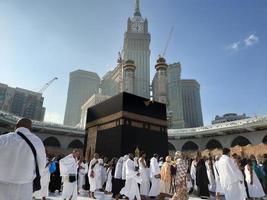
x,y
202,180
117,182
55,179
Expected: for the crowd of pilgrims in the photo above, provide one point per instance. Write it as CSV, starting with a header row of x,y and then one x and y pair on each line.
x,y
225,176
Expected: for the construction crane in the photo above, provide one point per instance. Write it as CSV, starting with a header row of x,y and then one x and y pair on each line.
x,y
167,43
47,85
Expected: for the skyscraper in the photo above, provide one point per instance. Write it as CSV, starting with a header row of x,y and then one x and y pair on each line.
x,y
82,85
132,74
191,103
22,102
136,48
175,102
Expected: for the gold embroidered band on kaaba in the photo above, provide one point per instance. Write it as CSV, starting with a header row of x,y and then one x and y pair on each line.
x,y
137,121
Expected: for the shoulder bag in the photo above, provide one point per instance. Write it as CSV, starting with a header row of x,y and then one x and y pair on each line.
x,y
37,180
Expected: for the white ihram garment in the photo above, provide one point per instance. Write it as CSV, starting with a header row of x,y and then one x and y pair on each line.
x,y
255,190
154,170
45,179
212,183
109,181
94,181
68,166
118,169
103,178
69,190
145,184
124,167
11,191
17,164
131,189
217,179
193,173
231,179
82,171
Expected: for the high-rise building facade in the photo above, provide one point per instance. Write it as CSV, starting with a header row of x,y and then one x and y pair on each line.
x,y
132,75
82,85
175,102
111,83
191,103
136,48
22,102
92,101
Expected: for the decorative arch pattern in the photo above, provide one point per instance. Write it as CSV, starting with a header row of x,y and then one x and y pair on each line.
x,y
213,144
76,144
241,141
52,142
190,146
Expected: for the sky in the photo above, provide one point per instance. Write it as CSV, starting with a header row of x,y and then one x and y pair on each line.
x,y
221,44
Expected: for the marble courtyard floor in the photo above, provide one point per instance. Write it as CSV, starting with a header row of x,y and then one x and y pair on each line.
x,y
99,196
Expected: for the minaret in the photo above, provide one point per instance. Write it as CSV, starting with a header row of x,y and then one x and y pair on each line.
x,y
161,84
136,48
128,76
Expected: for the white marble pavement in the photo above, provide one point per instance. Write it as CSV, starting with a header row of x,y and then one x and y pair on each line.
x,y
99,196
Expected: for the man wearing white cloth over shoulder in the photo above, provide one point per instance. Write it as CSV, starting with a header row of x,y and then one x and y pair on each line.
x,y
94,175
68,170
155,176
17,163
131,189
231,181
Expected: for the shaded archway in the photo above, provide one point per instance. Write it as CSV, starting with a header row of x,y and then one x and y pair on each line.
x,y
241,141
190,146
76,144
213,144
52,142
171,147
264,140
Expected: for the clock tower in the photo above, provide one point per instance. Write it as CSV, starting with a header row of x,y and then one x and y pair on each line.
x,y
136,48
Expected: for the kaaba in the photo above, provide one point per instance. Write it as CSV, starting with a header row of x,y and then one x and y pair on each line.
x,y
125,123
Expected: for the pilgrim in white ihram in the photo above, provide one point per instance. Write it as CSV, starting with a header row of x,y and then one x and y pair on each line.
x,y
68,170
131,189
17,162
155,177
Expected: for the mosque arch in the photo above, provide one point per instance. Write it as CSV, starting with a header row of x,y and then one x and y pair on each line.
x,y
190,146
171,147
213,144
264,140
241,141
76,144
52,142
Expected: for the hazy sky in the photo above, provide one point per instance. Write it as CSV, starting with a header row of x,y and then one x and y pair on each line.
x,y
222,44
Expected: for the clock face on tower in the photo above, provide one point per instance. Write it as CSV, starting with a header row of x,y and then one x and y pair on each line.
x,y
137,27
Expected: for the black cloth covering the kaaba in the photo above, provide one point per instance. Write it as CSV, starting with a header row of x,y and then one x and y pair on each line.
x,y
127,102
124,138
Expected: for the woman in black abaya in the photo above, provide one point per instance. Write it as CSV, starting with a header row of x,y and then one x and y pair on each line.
x,y
202,180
